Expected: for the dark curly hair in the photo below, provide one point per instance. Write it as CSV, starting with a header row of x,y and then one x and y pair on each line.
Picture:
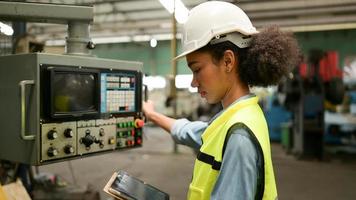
x,y
271,56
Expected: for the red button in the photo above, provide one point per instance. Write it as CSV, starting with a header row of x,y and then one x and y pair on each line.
x,y
139,123
139,141
129,143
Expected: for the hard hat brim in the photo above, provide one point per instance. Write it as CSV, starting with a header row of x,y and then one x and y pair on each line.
x,y
184,54
205,43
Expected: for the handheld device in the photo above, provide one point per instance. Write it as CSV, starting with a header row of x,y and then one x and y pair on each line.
x,y
126,187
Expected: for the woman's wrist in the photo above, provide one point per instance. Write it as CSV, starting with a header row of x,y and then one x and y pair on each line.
x,y
150,115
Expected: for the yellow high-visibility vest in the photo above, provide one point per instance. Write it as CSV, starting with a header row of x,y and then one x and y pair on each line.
x,y
208,162
2,194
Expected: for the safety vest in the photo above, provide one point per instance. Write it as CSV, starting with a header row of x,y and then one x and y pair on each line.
x,y
208,162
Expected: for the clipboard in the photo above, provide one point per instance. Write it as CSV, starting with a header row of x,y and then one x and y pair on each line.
x,y
123,186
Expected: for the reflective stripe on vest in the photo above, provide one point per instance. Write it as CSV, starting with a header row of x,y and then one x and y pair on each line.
x,y
249,113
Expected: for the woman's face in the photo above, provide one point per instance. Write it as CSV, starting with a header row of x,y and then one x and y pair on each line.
x,y
210,78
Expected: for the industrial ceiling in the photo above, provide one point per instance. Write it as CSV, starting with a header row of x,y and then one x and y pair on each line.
x,y
128,18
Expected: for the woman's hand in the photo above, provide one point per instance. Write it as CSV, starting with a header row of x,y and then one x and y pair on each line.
x,y
148,108
159,119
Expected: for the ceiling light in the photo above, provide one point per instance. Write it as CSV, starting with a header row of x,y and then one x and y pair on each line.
x,y
181,12
6,29
153,42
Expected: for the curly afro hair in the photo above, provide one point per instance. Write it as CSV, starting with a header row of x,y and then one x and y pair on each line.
x,y
271,56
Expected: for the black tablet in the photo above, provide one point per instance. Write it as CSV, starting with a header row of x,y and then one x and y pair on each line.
x,y
131,188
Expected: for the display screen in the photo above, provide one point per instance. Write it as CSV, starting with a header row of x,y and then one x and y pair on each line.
x,y
74,92
137,189
117,92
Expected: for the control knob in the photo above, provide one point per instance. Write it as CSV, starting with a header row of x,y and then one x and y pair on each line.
x,y
51,152
69,149
52,134
68,133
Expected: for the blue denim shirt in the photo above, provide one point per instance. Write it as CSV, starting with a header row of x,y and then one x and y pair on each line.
x,y
239,170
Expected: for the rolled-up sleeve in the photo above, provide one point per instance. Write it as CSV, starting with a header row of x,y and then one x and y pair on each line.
x,y
188,133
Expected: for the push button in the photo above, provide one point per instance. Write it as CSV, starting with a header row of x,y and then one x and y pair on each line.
x,y
139,123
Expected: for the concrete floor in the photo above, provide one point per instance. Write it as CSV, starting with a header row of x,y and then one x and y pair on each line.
x,y
155,164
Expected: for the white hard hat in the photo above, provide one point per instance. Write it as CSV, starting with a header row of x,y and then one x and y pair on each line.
x,y
216,19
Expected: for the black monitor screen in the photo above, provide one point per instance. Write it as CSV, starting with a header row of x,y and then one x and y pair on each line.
x,y
74,92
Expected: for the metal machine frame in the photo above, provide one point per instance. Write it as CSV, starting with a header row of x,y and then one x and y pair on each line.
x,y
27,136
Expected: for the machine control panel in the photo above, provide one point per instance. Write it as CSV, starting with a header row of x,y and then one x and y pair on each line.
x,y
89,110
60,140
67,107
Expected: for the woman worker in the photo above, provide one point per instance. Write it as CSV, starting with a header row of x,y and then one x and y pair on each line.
x,y
227,56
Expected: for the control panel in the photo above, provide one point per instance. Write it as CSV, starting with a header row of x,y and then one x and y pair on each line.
x,y
60,140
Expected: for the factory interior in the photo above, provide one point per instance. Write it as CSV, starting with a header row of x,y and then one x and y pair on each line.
x,y
75,76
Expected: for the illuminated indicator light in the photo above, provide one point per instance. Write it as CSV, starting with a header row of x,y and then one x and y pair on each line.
x,y
139,141
129,142
139,133
133,132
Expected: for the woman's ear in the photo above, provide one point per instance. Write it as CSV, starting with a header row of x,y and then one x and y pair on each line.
x,y
229,60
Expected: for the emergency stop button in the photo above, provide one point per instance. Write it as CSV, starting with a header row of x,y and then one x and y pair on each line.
x,y
139,123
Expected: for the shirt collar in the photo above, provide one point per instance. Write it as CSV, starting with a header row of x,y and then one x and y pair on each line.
x,y
237,100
